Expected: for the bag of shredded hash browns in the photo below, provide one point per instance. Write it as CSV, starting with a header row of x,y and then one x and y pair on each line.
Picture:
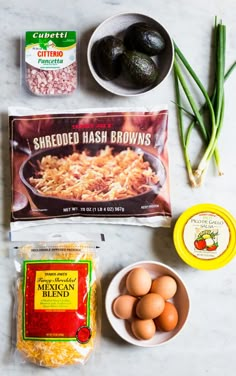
x,y
106,166
57,291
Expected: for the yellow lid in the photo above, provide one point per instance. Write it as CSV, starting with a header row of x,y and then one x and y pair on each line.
x,y
205,236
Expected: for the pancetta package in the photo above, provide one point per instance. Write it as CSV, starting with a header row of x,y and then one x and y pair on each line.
x,y
57,312
91,166
50,62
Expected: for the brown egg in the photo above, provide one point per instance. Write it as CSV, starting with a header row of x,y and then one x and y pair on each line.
x,y
168,320
124,306
150,306
138,282
165,286
143,329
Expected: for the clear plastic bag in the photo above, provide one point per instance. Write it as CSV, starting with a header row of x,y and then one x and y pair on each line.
x,y
57,296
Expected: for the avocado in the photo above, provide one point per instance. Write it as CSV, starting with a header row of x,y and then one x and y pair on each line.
x,y
106,54
139,68
144,38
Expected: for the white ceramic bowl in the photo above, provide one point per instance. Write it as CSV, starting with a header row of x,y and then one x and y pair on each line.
x,y
117,287
116,26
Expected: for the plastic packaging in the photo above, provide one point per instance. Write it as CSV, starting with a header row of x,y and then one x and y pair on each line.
x,y
205,236
57,302
90,166
50,62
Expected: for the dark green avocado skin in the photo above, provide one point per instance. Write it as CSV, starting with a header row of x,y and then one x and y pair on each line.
x,y
106,54
144,38
140,68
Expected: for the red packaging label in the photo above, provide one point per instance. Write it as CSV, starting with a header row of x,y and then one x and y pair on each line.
x,y
56,299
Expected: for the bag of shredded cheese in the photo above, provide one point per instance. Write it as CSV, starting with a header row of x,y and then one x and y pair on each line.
x,y
57,318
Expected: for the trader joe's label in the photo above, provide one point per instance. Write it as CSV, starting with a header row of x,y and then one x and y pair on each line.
x,y
94,165
56,289
206,235
56,295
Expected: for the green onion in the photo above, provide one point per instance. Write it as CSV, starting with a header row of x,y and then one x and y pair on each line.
x,y
184,140
190,98
213,105
207,98
200,85
219,102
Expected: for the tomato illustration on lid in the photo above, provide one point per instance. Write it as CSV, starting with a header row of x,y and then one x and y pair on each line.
x,y
205,236
206,241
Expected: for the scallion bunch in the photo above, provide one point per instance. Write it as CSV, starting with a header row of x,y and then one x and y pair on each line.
x,y
214,105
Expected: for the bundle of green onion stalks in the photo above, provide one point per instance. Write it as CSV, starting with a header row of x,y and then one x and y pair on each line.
x,y
208,118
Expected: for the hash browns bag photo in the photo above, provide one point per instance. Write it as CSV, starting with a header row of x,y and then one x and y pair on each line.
x,y
92,166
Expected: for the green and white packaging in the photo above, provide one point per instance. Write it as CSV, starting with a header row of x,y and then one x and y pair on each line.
x,y
51,62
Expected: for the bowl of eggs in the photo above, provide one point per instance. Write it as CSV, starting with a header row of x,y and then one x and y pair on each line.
x,y
147,303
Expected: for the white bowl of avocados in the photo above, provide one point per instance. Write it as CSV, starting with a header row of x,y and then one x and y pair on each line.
x,y
130,54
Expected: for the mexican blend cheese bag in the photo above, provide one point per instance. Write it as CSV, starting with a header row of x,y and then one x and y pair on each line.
x,y
56,315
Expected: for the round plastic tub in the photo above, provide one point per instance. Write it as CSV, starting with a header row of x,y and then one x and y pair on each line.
x,y
205,236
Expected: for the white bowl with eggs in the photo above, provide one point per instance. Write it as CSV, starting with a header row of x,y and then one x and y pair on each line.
x,y
139,298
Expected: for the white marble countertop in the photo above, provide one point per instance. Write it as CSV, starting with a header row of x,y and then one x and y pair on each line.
x,y
207,345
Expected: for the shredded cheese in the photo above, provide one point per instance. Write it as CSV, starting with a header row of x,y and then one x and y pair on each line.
x,y
58,353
